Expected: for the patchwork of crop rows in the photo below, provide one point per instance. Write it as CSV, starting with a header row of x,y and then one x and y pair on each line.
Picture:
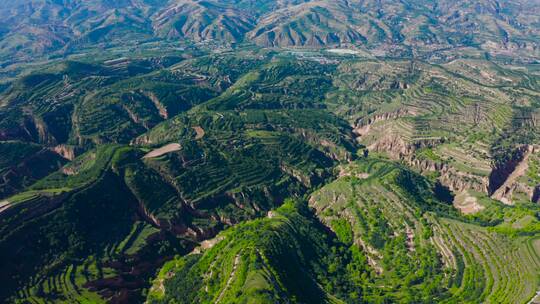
x,y
490,268
479,266
66,285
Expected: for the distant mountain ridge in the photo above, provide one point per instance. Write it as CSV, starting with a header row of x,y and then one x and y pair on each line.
x,y
34,27
269,151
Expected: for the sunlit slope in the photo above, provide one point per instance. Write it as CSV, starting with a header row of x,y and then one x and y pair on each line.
x,y
400,226
224,168
377,234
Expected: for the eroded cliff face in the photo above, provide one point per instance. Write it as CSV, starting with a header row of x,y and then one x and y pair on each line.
x,y
399,149
67,152
363,126
504,183
162,109
458,181
505,179
503,170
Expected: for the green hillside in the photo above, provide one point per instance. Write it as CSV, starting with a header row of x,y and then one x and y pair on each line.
x,y
370,239
264,151
164,156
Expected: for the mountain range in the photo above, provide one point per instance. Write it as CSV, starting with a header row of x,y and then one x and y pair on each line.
x,y
39,27
269,151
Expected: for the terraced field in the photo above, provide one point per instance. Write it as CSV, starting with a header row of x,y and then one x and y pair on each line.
x,y
267,261
470,159
491,268
66,285
390,242
110,168
239,170
83,280
479,265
